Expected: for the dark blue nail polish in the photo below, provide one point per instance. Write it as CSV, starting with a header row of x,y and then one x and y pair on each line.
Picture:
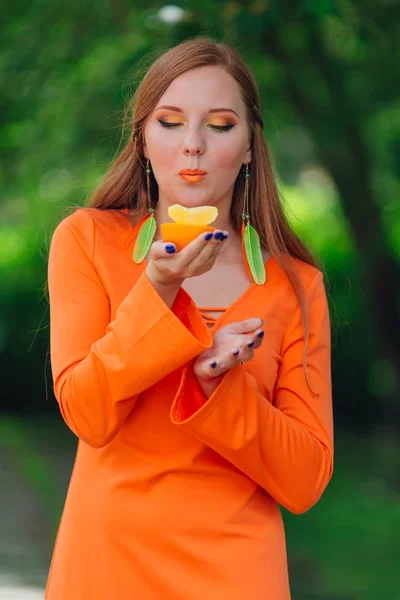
x,y
213,365
170,248
235,352
218,235
208,236
250,344
261,334
223,237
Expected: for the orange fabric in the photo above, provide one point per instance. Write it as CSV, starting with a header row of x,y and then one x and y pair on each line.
x,y
174,496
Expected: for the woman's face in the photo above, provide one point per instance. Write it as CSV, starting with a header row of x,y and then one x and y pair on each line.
x,y
198,123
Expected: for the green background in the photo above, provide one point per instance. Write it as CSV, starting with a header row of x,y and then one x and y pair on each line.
x,y
327,77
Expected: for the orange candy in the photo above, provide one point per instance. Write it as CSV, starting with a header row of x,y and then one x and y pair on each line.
x,y
188,224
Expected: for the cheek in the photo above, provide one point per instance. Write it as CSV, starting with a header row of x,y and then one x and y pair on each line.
x,y
229,154
229,160
161,150
157,142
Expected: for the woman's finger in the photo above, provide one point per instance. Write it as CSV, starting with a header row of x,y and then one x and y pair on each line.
x,y
203,244
248,343
209,253
257,338
239,354
161,249
228,360
246,352
248,326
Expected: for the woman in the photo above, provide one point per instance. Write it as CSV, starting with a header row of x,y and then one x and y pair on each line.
x,y
201,398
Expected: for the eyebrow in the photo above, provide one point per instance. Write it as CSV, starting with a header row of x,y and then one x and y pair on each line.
x,y
212,110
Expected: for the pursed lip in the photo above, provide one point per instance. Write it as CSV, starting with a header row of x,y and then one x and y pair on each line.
x,y
192,172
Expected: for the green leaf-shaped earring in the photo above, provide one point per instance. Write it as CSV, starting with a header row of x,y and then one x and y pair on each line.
x,y
147,229
251,246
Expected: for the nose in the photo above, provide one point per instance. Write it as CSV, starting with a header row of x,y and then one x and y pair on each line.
x,y
193,144
193,151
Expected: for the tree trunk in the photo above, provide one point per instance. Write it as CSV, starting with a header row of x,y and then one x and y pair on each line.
x,y
344,153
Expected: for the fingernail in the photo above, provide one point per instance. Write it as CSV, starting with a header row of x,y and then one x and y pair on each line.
x,y
261,334
223,237
170,248
208,236
213,365
218,235
235,352
250,344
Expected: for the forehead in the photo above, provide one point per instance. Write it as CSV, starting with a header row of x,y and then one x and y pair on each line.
x,y
204,88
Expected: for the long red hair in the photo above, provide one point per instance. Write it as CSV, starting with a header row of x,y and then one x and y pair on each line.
x,y
123,185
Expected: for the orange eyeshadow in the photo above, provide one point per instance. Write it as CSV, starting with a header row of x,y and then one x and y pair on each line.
x,y
215,120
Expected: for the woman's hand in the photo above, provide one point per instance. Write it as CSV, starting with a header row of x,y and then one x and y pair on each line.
x,y
167,269
167,266
235,343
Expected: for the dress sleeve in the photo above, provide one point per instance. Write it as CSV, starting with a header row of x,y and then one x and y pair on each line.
x,y
100,367
285,446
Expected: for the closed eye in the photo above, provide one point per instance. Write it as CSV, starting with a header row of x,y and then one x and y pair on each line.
x,y
216,127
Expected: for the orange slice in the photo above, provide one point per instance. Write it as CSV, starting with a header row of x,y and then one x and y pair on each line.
x,y
189,224
198,215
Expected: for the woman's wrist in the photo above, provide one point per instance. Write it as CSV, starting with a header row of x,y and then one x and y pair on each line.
x,y
208,386
166,290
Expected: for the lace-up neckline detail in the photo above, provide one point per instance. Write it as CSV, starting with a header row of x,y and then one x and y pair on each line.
x,y
210,320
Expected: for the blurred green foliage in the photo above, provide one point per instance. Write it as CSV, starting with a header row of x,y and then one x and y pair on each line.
x,y
326,72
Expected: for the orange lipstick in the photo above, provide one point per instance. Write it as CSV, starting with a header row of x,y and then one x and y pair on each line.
x,y
192,175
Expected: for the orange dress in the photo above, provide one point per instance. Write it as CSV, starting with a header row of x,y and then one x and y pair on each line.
x,y
174,496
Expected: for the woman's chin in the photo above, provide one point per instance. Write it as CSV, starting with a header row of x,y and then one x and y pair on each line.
x,y
193,202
